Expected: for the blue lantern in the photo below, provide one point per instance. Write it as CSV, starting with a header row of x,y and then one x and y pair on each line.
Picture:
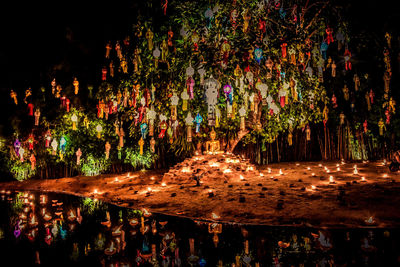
x,y
258,55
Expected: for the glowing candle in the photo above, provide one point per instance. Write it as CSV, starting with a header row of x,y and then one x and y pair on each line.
x,y
241,177
261,174
269,170
313,187
280,172
163,184
355,169
308,168
363,179
331,180
313,174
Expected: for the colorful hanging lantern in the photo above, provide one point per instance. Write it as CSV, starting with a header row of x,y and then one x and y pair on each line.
x,y
185,98
198,120
152,144
284,50
141,143
290,137
143,130
189,122
258,55
76,85
174,103
78,154
151,116
99,129
190,87
212,86
74,119
107,147
63,143
31,141
308,133
54,145
163,126
347,58
37,116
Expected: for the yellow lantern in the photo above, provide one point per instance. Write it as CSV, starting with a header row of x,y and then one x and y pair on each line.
x,y
74,119
99,129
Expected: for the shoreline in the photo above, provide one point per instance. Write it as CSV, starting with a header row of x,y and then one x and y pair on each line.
x,y
273,199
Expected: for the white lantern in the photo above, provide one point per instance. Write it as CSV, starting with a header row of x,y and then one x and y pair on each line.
x,y
99,129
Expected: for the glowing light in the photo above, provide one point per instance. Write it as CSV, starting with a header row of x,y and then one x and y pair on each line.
x,y
261,174
385,175
337,165
148,189
269,170
297,164
116,179
214,164
370,220
128,175
215,216
331,180
355,170
328,171
186,169
163,184
280,172
227,171
249,168
363,179
308,168
313,174
95,191
152,178
313,187
338,169
320,165
241,177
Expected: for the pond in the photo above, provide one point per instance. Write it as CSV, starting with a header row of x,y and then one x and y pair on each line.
x,y
49,229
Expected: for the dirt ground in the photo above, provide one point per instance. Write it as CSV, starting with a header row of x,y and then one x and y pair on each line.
x,y
230,189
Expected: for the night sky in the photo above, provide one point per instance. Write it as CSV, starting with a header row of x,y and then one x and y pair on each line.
x,y
68,37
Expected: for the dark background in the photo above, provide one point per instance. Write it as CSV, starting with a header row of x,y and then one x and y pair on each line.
x,y
64,39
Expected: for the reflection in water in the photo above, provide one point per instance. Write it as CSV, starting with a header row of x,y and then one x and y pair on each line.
x,y
59,230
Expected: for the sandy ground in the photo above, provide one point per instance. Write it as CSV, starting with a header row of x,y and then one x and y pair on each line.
x,y
276,194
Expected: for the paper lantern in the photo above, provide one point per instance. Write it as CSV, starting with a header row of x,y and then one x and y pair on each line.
x,y
76,85
54,145
99,129
185,98
174,103
78,154
107,147
189,122
74,119
151,116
